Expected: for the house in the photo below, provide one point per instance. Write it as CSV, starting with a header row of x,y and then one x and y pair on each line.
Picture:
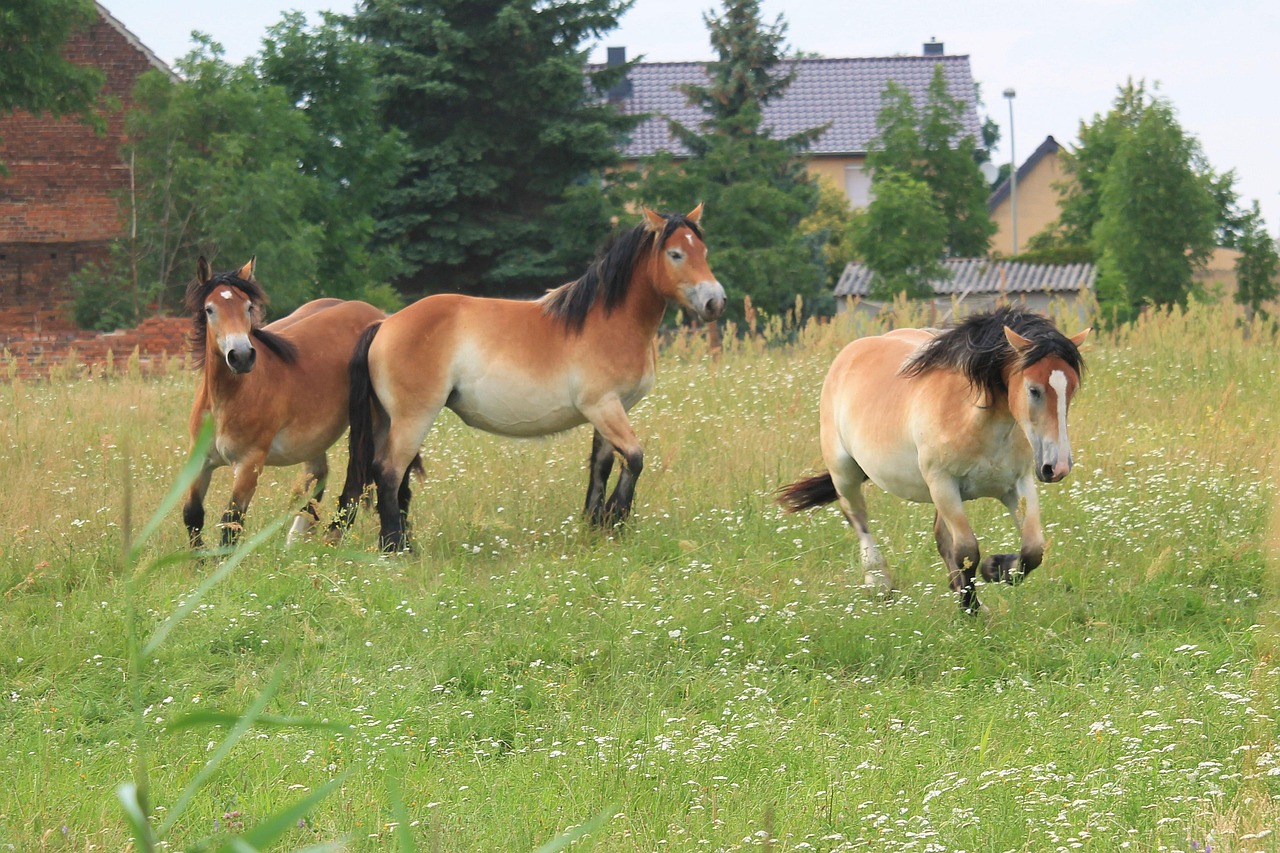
x,y
58,202
978,284
1037,198
844,93
59,211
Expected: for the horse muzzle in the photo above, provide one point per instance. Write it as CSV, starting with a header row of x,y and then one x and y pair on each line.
x,y
1053,467
705,299
241,357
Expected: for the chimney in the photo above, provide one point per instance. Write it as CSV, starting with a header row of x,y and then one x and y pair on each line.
x,y
621,90
932,47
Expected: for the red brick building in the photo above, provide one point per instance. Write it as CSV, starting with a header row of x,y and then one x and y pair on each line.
x,y
58,202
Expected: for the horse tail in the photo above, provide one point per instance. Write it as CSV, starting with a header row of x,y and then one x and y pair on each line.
x,y
360,412
810,492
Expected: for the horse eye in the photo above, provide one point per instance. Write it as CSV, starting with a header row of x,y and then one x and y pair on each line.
x,y
675,254
1035,393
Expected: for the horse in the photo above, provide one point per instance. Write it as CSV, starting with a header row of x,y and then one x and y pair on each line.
x,y
277,393
584,352
978,410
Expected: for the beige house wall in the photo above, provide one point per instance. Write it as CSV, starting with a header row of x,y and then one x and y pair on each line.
x,y
1037,206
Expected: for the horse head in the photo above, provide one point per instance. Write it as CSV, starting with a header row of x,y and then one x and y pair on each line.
x,y
1041,384
227,310
681,273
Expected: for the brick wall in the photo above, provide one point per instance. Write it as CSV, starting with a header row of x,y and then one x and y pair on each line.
x,y
63,176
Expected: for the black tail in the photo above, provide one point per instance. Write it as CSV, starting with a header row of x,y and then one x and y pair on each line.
x,y
360,440
360,412
809,492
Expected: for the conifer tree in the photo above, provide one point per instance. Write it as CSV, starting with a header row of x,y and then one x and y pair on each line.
x,y
756,188
501,190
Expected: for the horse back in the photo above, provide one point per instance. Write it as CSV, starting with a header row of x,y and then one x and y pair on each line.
x,y
876,417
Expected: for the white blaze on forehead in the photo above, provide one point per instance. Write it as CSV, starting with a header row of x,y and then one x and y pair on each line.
x,y
1058,382
226,294
689,237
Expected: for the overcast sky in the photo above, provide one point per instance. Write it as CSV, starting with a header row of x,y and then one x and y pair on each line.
x,y
1218,62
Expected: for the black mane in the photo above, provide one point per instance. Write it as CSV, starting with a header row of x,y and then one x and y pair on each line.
x,y
978,349
198,292
609,273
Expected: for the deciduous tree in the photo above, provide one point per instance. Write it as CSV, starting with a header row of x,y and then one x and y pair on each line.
x,y
1157,216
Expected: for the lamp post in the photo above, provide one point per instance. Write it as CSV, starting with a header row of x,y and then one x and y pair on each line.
x,y
1013,174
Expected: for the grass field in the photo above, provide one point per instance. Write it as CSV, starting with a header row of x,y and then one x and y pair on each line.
x,y
712,679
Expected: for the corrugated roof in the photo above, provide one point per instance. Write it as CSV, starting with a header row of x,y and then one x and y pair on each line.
x,y
981,276
844,92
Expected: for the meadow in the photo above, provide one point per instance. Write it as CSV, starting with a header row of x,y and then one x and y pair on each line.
x,y
712,678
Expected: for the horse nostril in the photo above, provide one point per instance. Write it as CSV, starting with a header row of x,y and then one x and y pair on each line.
x,y
1046,473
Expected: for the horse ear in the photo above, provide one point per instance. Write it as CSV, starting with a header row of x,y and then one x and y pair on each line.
x,y
1078,337
695,214
202,270
246,271
654,220
1016,340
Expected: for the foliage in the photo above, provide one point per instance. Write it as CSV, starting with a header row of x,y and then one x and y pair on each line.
x,y
755,187
1258,267
1080,209
34,74
716,674
350,159
1157,215
926,144
832,225
276,158
902,237
1043,250
500,193
1141,198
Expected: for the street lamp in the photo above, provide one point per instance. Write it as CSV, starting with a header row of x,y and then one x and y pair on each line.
x,y
1013,174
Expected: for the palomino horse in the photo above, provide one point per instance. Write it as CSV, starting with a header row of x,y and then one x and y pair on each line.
x,y
583,353
979,410
280,403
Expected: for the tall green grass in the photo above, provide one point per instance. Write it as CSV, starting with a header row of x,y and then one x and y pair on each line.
x,y
713,678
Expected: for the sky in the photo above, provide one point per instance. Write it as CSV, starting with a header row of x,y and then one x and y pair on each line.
x,y
1217,63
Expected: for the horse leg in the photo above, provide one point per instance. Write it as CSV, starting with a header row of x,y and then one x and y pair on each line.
x,y
956,543
598,467
193,509
848,479
315,475
246,483
391,469
610,420
1024,507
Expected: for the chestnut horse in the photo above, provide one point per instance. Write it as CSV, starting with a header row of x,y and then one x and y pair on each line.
x,y
277,393
583,353
979,410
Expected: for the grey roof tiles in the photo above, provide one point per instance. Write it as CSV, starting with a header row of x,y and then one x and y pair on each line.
x,y
844,92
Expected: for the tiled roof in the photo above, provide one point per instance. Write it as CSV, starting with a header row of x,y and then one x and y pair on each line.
x,y
1001,192
981,276
844,92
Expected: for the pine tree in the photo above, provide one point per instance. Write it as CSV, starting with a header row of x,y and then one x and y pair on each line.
x,y
501,189
755,187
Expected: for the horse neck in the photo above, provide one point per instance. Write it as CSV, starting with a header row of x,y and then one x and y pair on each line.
x,y
642,307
